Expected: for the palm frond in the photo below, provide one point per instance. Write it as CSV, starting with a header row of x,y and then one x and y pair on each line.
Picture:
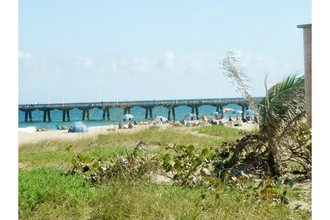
x,y
232,70
283,103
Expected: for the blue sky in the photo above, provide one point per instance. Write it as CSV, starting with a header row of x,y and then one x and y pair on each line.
x,y
77,51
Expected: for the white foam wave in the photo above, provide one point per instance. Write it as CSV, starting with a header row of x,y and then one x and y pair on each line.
x,y
30,129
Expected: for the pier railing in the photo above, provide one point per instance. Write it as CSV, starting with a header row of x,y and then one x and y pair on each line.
x,y
179,102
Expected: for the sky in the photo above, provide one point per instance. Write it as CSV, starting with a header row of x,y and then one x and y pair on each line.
x,y
105,50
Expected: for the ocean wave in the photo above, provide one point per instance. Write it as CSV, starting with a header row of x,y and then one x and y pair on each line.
x,y
30,129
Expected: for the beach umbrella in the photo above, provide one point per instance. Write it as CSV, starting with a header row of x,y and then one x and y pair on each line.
x,y
161,118
128,116
78,126
227,110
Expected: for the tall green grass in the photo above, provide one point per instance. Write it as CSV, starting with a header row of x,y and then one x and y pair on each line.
x,y
47,193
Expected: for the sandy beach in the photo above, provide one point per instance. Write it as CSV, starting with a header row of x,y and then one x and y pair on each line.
x,y
25,137
51,135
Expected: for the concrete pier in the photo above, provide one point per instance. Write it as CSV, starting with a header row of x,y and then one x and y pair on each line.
x,y
194,104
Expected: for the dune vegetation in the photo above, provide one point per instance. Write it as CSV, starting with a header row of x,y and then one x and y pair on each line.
x,y
151,174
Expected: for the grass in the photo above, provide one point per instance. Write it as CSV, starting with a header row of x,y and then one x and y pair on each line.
x,y
47,192
227,133
54,154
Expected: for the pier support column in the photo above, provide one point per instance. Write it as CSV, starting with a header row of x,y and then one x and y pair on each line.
x,y
88,115
127,111
219,109
243,110
171,110
106,113
85,114
193,110
28,116
47,115
66,114
146,115
150,112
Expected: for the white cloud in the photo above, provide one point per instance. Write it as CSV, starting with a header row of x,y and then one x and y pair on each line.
x,y
174,75
25,55
169,59
79,61
256,66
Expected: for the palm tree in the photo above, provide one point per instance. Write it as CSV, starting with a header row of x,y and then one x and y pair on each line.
x,y
283,107
281,111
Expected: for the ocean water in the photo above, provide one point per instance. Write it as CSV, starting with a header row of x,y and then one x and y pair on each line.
x,y
116,116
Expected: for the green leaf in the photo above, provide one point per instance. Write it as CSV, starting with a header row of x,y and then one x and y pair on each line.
x,y
177,165
205,152
74,161
167,157
197,161
84,158
190,150
167,166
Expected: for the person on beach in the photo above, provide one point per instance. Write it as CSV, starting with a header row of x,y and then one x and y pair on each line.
x,y
63,127
120,125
